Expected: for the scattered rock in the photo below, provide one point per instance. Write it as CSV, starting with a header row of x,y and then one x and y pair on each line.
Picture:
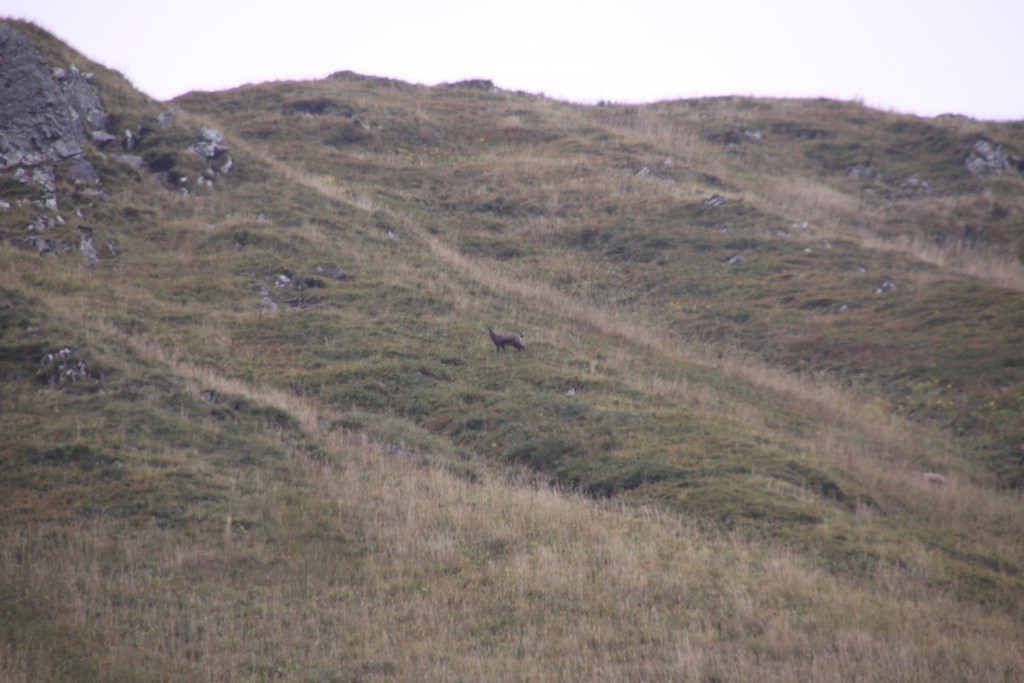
x,y
916,187
88,250
41,224
886,286
37,243
63,367
297,282
266,301
164,120
643,172
300,302
862,171
715,200
332,271
737,259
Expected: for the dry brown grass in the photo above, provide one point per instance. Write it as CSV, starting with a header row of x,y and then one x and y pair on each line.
x,y
835,213
379,567
884,452
377,563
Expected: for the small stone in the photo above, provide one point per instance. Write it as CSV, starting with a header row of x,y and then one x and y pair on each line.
x,y
862,171
332,271
985,159
88,250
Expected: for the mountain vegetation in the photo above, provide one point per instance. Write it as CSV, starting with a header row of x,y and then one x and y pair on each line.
x,y
767,423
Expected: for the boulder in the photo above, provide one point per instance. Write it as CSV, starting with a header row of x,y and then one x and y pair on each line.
x,y
986,159
81,172
88,250
44,176
266,301
862,171
102,137
209,144
211,147
332,271
37,243
164,120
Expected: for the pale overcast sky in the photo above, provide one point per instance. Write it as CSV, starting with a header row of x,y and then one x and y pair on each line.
x,y
923,57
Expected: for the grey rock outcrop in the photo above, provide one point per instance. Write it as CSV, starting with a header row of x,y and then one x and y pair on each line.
x,y
46,115
988,159
210,146
37,122
65,366
85,101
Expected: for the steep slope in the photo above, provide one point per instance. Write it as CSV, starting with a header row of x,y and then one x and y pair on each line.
x,y
823,236
292,322
620,273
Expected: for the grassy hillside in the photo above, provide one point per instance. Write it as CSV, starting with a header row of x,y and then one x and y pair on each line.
x,y
224,460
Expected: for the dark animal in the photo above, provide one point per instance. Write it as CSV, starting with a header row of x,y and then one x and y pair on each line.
x,y
502,340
